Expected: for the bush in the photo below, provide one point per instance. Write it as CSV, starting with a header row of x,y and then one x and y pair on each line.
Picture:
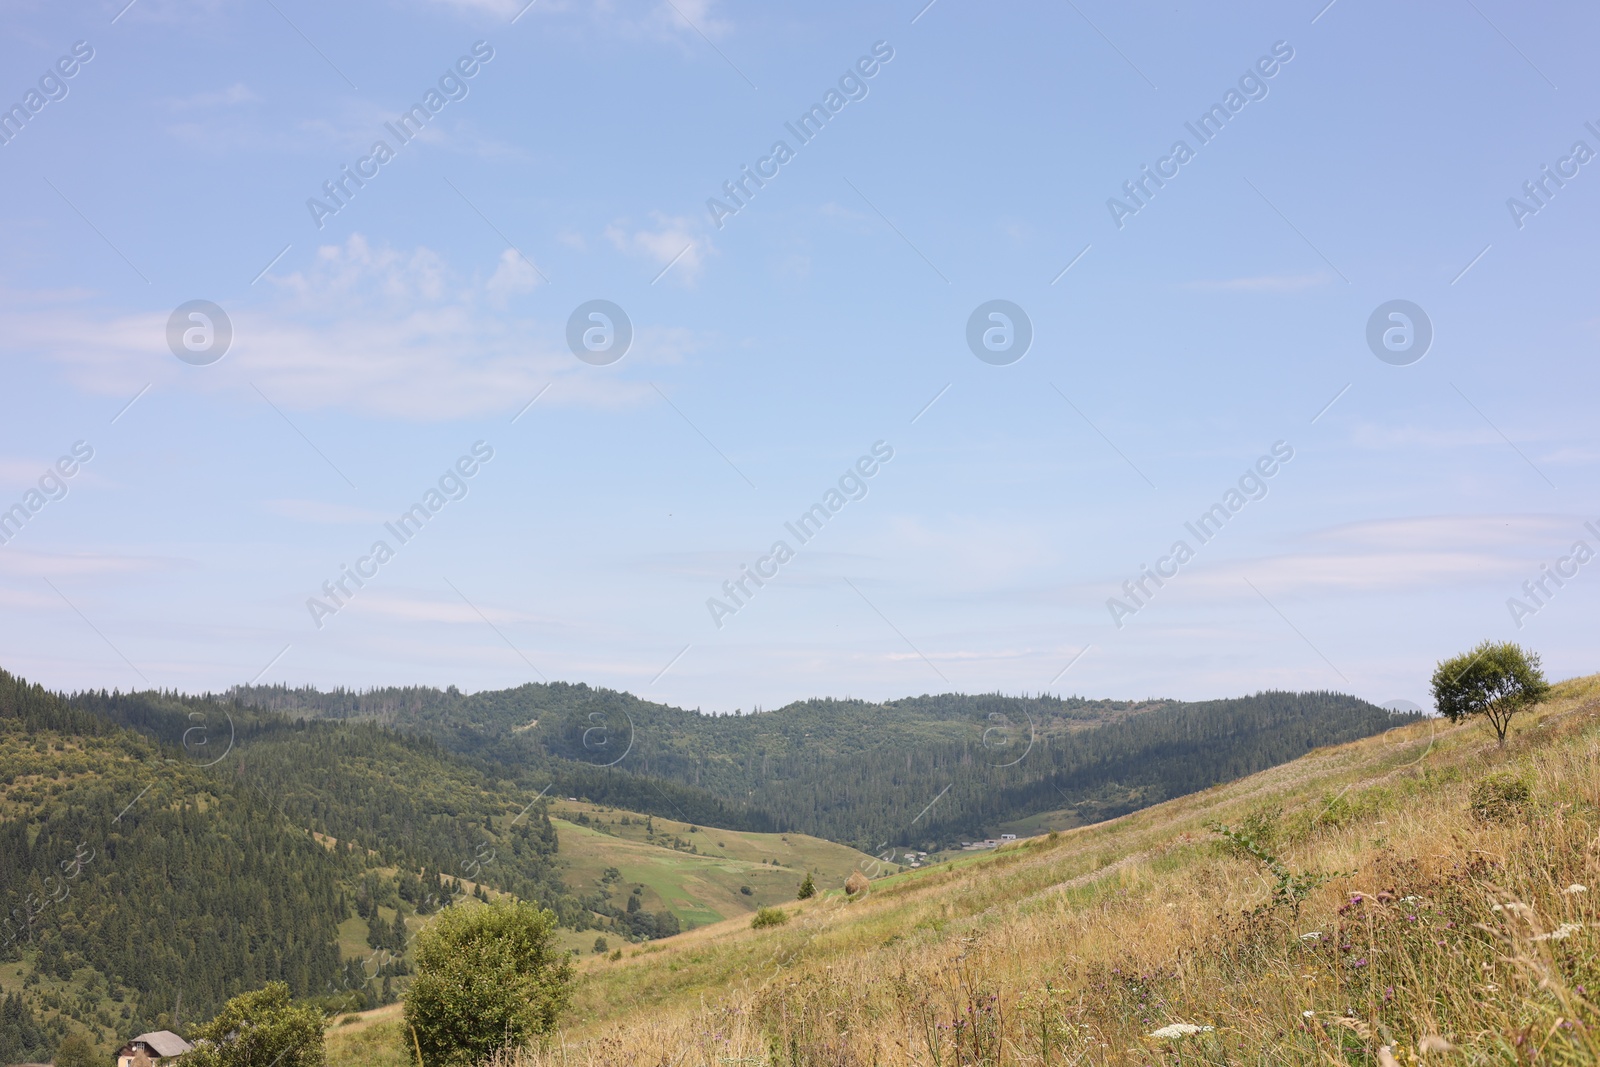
x,y
76,1051
1499,797
746,890
769,917
808,888
259,1029
488,978
600,944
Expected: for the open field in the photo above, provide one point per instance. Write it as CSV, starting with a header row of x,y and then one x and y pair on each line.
x,y
699,887
1398,914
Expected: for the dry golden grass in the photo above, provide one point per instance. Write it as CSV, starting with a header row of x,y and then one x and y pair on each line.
x,y
1434,926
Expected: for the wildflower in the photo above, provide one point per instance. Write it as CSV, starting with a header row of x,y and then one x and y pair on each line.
x,y
1312,936
1386,1057
1362,962
1560,933
1575,888
1308,1014
1173,1031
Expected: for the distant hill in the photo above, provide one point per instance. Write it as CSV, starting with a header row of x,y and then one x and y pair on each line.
x,y
160,852
922,771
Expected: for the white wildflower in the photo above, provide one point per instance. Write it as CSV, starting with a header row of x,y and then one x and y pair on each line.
x,y
1309,1014
1173,1031
1560,933
1314,935
1575,888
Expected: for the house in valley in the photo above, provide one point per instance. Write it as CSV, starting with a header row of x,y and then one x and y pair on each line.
x,y
153,1048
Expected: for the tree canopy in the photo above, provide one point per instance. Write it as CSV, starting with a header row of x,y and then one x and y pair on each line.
x,y
1495,680
489,977
259,1029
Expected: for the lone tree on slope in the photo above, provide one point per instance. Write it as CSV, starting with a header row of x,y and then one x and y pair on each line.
x,y
1495,680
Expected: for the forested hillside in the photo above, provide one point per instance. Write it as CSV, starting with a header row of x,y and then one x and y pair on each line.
x,y
159,854
134,882
857,772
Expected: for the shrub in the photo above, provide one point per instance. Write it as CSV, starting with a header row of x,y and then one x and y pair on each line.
x,y
76,1051
488,978
769,917
259,1029
600,944
808,888
1499,797
1291,889
746,890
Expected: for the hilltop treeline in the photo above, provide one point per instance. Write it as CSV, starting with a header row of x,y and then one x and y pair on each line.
x,y
858,772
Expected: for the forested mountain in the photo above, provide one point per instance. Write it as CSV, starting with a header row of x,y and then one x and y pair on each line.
x,y
857,772
132,882
160,852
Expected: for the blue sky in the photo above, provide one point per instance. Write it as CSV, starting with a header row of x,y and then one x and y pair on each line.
x,y
775,346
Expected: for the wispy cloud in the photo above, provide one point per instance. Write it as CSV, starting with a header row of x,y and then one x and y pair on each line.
x,y
20,561
363,328
319,511
1265,283
408,608
237,93
676,245
676,22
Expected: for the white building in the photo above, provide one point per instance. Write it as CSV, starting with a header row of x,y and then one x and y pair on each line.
x,y
152,1048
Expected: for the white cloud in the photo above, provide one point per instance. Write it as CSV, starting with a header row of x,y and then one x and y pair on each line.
x,y
1266,283
319,511
21,473
367,328
14,560
1386,438
419,609
1354,572
675,241
675,21
1428,532
514,275
237,93
1389,555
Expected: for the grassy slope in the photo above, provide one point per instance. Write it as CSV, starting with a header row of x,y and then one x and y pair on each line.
x,y
699,889
1093,939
